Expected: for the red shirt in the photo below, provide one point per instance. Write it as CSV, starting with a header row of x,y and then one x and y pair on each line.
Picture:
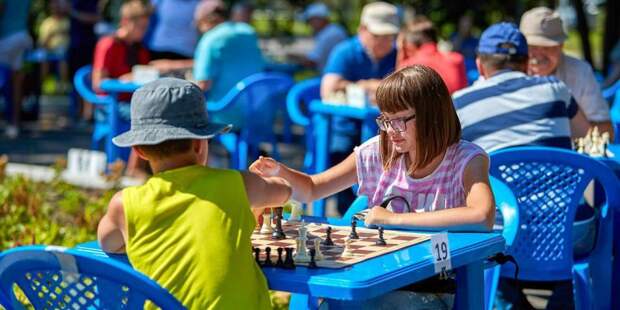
x,y
117,57
450,65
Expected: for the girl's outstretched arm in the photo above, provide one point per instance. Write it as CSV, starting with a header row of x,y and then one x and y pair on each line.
x,y
307,188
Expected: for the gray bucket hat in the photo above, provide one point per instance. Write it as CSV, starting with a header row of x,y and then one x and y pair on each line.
x,y
168,109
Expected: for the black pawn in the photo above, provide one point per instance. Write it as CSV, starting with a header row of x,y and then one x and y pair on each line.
x,y
353,234
380,241
289,263
278,233
280,262
267,262
328,239
257,255
312,264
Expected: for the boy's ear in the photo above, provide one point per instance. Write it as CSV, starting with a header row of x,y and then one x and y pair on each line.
x,y
139,152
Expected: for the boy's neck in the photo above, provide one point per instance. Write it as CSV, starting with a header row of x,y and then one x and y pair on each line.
x,y
172,163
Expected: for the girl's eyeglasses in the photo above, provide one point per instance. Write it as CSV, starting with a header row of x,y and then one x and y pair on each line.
x,y
397,124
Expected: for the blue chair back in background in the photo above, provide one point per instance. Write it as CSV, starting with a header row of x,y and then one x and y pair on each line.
x,y
611,94
260,97
6,91
299,97
548,185
102,131
58,278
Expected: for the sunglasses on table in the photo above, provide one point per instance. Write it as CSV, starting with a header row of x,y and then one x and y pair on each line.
x,y
397,124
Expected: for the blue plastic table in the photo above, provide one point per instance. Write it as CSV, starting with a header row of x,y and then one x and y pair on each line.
x,y
322,114
113,88
385,273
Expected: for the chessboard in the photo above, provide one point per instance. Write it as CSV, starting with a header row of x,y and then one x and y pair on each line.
x,y
361,249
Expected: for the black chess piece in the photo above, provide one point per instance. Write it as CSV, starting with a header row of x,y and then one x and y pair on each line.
x,y
278,233
312,263
353,234
380,241
328,239
289,263
605,150
280,262
267,262
257,255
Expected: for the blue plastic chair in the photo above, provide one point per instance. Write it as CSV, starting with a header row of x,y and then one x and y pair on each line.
x,y
299,96
260,97
545,187
58,278
102,131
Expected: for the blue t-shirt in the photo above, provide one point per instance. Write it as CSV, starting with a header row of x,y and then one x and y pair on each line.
x,y
14,18
350,60
513,109
174,31
226,55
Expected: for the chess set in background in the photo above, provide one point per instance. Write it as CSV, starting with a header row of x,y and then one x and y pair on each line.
x,y
594,144
320,245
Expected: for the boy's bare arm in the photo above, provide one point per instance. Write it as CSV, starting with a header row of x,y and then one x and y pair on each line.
x,y
111,231
266,192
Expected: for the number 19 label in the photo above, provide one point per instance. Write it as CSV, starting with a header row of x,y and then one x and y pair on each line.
x,y
440,248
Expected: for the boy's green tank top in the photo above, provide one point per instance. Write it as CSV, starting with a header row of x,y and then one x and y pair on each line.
x,y
190,230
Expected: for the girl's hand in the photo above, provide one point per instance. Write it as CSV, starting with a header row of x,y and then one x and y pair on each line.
x,y
265,167
378,216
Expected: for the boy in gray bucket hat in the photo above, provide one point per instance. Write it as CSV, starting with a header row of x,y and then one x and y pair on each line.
x,y
189,223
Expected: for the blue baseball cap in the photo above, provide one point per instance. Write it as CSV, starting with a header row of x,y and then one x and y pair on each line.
x,y
502,38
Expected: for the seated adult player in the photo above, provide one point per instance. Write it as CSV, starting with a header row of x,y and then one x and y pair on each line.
x,y
189,226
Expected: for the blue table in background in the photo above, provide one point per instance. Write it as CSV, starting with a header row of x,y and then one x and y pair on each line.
x,y
379,275
113,88
322,114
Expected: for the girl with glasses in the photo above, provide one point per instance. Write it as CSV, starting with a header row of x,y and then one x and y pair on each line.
x,y
418,155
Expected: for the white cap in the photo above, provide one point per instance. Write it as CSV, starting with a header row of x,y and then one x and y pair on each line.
x,y
380,18
316,10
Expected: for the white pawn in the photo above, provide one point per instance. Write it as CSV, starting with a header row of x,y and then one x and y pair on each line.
x,y
347,248
266,228
296,212
317,249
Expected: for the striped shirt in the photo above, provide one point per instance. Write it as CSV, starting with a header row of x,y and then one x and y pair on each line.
x,y
512,109
442,189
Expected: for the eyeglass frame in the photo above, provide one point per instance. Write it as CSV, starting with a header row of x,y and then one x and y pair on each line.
x,y
381,120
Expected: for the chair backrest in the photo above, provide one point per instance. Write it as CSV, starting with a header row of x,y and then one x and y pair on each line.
x,y
548,184
610,92
259,97
302,94
60,278
83,85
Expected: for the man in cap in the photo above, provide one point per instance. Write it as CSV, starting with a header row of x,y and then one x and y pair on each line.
x,y
509,108
545,36
326,36
368,57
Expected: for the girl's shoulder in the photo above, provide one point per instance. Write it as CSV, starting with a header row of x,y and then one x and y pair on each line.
x,y
369,149
464,151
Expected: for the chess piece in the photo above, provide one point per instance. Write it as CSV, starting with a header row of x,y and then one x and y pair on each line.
x,y
380,241
267,262
328,239
289,263
257,255
353,234
301,255
317,248
581,145
312,264
266,229
347,248
296,212
280,262
278,233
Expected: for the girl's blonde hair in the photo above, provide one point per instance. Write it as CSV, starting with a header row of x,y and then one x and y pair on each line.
x,y
420,88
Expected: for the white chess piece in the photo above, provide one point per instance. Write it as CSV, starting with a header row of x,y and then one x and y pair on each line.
x,y
580,145
317,249
347,248
266,228
301,256
296,212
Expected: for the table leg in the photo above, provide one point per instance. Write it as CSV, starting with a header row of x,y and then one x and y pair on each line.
x,y
111,149
470,286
